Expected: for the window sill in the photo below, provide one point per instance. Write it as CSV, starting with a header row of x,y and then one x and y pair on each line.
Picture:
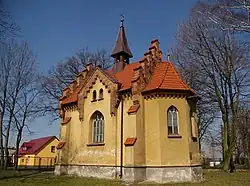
x,y
174,136
94,100
95,144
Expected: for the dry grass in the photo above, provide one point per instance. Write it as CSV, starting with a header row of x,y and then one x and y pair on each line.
x,y
48,179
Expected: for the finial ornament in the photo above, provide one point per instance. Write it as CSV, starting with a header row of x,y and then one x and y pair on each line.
x,y
122,19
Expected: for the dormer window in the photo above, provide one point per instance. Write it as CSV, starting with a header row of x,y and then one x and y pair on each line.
x,y
101,94
24,148
94,96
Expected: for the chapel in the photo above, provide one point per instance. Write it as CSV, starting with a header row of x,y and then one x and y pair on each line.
x,y
136,121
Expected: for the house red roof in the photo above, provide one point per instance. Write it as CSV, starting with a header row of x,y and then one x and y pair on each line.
x,y
34,146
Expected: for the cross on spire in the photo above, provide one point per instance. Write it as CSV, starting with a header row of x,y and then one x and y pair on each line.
x,y
121,46
122,19
121,51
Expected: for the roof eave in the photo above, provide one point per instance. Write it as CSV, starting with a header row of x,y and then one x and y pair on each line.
x,y
167,90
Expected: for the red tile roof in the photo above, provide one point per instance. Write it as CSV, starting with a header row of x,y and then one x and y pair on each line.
x,y
72,98
166,77
125,76
34,146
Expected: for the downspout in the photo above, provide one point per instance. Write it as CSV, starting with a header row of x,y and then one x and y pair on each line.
x,y
121,158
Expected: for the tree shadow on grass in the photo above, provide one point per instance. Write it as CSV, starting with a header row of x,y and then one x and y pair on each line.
x,y
9,174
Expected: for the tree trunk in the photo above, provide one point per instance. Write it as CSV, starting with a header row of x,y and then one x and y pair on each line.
x,y
6,154
248,150
18,139
226,155
1,141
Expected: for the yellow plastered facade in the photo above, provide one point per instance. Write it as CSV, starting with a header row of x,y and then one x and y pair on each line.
x,y
153,146
43,158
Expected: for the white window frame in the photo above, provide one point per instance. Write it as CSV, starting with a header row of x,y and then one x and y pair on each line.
x,y
98,128
171,111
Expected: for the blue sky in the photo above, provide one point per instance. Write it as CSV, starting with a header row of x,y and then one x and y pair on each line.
x,y
56,29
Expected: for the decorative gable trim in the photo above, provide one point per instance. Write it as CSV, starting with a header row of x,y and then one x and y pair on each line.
x,y
60,144
104,79
130,141
66,120
108,82
133,109
166,94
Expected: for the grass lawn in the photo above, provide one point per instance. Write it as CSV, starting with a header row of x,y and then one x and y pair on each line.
x,y
38,179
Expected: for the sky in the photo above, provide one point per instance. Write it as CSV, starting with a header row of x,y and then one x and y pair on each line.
x,y
56,29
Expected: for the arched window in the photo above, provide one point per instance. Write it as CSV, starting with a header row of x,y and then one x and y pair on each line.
x,y
173,120
94,95
101,94
97,127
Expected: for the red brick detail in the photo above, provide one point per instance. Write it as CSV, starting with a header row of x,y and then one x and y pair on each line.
x,y
133,108
130,141
60,145
66,120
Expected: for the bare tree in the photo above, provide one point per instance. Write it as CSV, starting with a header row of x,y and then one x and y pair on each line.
x,y
26,109
17,71
229,15
8,27
60,76
205,111
243,137
6,64
222,70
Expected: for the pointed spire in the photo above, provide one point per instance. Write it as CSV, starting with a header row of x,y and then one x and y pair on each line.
x,y
121,46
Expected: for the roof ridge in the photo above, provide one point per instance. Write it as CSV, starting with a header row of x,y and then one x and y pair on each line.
x,y
178,76
164,76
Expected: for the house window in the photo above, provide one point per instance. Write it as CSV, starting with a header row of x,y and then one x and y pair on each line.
x,y
97,128
28,159
24,148
173,121
53,149
101,94
94,96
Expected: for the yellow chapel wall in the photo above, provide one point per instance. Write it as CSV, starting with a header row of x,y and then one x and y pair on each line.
x,y
160,149
129,130
155,149
194,150
175,151
139,147
73,136
152,132
81,150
